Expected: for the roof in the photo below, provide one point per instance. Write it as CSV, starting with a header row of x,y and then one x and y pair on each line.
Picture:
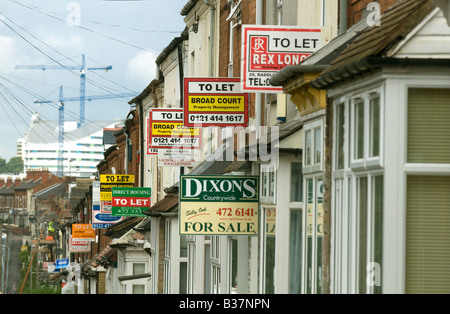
x,y
58,189
188,7
172,46
167,204
322,58
25,185
369,49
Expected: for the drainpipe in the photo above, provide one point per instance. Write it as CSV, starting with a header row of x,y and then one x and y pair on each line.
x,y
211,34
258,96
343,7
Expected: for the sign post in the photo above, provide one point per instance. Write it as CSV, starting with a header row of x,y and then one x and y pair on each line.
x,y
219,205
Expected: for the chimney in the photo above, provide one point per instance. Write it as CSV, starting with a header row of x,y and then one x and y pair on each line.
x,y
17,182
9,182
2,182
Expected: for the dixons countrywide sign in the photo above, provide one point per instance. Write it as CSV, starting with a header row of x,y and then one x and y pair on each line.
x,y
215,102
268,49
219,205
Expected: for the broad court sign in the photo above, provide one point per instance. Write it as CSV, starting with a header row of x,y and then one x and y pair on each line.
x,y
219,205
215,102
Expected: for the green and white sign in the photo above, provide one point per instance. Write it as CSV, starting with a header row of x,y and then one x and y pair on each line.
x,y
130,202
219,205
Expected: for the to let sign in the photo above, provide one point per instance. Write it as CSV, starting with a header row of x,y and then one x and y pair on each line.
x,y
215,102
130,202
268,49
219,205
83,232
167,131
108,181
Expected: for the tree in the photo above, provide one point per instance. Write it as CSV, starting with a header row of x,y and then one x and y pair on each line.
x,y
15,165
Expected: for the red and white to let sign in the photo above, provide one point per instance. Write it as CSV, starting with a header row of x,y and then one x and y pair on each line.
x,y
268,49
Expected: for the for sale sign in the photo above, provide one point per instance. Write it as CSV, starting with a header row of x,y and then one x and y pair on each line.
x,y
167,130
130,202
219,205
268,49
215,102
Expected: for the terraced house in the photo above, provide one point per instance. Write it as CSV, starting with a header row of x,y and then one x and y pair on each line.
x,y
349,148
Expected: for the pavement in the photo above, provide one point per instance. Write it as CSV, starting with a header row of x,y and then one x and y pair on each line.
x,y
14,265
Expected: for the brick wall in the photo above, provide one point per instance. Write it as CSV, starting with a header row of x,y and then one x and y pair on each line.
x,y
356,8
248,12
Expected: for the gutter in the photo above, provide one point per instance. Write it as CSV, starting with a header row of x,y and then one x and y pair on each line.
x,y
358,67
282,76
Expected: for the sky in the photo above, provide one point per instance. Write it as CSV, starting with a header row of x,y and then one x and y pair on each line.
x,y
125,34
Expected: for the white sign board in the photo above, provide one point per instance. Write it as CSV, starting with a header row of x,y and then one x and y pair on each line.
x,y
268,49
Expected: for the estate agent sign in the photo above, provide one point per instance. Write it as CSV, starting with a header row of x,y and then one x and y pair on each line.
x,y
215,102
219,205
130,202
268,49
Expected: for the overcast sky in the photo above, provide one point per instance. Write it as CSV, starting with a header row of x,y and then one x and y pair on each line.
x,y
127,35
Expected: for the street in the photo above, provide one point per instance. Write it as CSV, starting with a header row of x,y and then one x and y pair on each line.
x,y
14,265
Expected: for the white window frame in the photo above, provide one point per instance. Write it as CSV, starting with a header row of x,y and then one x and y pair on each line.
x,y
268,171
313,166
366,162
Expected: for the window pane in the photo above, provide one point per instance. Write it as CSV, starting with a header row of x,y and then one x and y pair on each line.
x,y
427,235
183,278
317,145
295,252
138,268
309,245
308,145
183,246
428,125
296,182
138,289
340,128
319,234
359,131
375,127
378,226
270,220
234,265
362,211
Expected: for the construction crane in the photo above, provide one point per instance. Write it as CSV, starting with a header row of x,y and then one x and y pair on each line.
x,y
61,101
82,70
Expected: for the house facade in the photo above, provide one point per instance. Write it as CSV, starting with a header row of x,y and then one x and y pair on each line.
x,y
353,197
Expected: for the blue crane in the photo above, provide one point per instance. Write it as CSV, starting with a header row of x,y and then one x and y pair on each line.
x,y
82,70
61,102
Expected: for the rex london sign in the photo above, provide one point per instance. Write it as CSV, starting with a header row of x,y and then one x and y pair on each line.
x,y
268,49
219,205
